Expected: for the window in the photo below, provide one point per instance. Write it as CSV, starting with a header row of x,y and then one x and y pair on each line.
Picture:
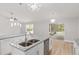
x,y
53,28
59,27
29,28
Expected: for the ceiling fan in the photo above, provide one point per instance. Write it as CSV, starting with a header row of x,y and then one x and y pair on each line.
x,y
10,18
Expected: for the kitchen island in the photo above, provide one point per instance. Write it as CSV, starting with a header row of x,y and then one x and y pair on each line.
x,y
38,48
9,43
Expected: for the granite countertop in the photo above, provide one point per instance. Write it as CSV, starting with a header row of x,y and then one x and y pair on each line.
x,y
16,45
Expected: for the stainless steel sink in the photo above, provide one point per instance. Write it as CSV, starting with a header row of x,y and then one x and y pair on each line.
x,y
33,40
28,43
24,44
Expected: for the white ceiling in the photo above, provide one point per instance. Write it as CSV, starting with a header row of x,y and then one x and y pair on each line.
x,y
46,11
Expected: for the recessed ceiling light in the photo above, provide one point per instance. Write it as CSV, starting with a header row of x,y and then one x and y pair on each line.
x,y
52,20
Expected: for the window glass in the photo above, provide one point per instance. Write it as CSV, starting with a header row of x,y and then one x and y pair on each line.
x,y
53,28
29,28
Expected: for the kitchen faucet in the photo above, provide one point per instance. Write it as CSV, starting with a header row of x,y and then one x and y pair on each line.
x,y
25,38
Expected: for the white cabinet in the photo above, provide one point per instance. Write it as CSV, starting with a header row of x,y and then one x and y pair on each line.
x,y
5,47
33,51
37,50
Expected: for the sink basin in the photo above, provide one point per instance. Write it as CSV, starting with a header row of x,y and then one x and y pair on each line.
x,y
24,44
29,42
33,40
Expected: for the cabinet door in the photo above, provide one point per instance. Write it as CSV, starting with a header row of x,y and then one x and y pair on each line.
x,y
5,48
37,50
33,51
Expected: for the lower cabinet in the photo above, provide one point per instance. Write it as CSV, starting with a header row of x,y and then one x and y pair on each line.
x,y
37,50
5,47
33,51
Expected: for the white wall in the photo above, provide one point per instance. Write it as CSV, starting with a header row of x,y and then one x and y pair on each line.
x,y
70,26
5,27
78,29
41,29
23,28
71,29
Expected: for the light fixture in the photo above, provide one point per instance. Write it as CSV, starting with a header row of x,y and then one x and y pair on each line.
x,y
20,25
34,6
52,20
14,22
11,24
11,19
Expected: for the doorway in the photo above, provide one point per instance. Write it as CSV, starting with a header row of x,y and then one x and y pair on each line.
x,y
56,31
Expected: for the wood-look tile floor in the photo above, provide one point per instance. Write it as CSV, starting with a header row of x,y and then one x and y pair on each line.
x,y
60,47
